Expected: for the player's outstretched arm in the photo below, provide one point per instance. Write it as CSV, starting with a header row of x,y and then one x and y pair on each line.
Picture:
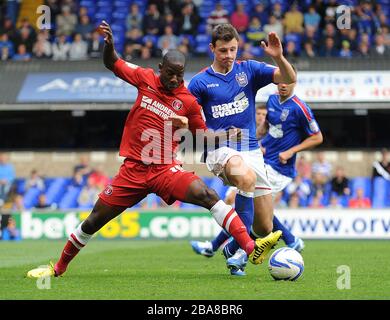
x,y
109,53
306,144
285,72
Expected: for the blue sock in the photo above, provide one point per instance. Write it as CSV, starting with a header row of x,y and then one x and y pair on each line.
x,y
244,207
219,239
287,236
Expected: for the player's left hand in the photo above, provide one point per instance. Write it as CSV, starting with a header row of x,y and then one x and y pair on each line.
x,y
179,122
285,155
274,47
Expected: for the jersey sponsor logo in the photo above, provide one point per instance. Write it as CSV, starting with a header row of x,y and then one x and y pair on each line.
x,y
239,105
314,126
212,85
284,114
242,79
156,107
108,191
177,105
275,131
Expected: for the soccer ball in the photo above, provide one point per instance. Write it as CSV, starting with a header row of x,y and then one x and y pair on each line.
x,y
286,264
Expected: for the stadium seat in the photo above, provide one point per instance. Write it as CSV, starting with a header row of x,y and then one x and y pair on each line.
x,y
31,197
69,200
361,182
56,189
381,193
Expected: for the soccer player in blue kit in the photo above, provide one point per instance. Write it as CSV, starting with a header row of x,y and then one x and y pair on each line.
x,y
226,90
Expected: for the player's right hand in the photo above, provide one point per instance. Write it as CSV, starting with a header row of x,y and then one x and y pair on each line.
x,y
105,30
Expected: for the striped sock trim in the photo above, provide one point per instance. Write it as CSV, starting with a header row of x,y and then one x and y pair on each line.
x,y
75,242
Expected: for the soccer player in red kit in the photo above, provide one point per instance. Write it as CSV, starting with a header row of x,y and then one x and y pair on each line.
x,y
150,165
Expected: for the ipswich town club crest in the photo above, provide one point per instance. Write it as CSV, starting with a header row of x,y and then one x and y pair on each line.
x,y
284,114
242,79
177,105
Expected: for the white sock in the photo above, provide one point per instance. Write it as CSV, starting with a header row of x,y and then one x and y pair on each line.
x,y
223,214
79,238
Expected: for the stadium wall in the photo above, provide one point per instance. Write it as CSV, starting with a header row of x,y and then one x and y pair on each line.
x,y
57,164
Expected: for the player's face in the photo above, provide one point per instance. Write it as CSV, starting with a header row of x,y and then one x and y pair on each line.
x,y
171,75
285,90
225,52
261,114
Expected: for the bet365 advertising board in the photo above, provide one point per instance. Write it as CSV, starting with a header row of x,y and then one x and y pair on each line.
x,y
306,223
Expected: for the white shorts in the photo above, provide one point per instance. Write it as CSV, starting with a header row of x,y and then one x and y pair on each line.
x,y
278,181
217,159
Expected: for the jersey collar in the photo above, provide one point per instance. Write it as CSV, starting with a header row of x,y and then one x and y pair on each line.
x,y
290,97
223,76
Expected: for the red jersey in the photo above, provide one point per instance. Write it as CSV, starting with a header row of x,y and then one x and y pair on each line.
x,y
145,137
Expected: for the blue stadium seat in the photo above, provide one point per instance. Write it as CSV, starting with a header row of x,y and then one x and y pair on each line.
x,y
56,189
122,3
151,37
381,193
20,185
361,182
31,197
87,3
69,200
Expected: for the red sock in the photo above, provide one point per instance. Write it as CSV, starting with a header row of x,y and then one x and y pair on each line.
x,y
233,224
69,252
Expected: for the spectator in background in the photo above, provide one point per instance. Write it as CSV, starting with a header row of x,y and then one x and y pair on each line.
x,y
83,166
363,50
293,20
340,183
167,41
66,21
95,45
78,48
188,21
218,16
4,54
293,202
255,33
11,232
85,27
274,25
152,22
9,28
27,38
60,48
304,167
133,44
77,179
300,188
345,51
382,168
7,177
329,49
308,50
21,54
334,202
239,18
89,194
291,50
42,203
247,52
134,18
322,171
260,13
6,43
380,49
35,181
169,21
360,201
42,48
277,11
98,178
316,201
185,46
312,18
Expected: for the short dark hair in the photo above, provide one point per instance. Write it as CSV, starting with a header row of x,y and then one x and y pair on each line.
x,y
224,32
261,107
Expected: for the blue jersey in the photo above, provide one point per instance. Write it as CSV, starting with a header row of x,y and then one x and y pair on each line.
x,y
290,122
228,100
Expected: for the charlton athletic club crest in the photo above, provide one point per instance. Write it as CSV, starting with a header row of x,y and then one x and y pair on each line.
x,y
242,79
177,104
108,190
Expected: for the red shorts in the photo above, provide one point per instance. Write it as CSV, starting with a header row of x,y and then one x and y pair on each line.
x,y
136,180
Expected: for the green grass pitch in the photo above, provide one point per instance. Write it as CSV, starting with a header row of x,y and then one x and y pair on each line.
x,y
170,270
